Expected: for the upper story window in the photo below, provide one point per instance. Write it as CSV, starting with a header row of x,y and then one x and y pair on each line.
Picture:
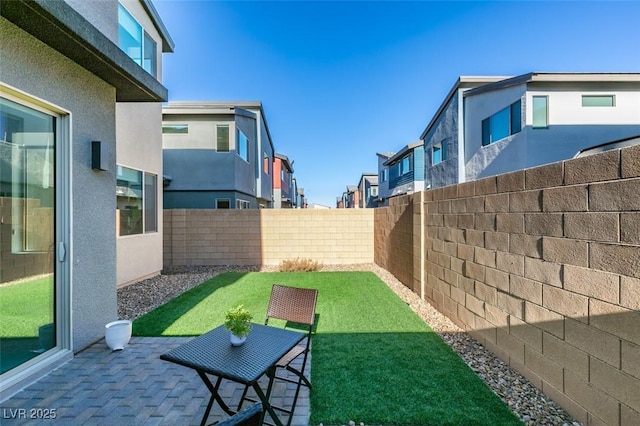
x,y
384,175
135,42
222,138
266,164
175,128
540,112
598,100
374,191
506,122
242,204
406,165
243,145
439,154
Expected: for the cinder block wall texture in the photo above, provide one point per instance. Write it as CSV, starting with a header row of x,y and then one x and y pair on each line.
x,y
267,237
542,266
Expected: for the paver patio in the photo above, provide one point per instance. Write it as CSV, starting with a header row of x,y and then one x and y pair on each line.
x,y
130,387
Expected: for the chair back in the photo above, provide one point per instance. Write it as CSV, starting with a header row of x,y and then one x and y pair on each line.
x,y
293,304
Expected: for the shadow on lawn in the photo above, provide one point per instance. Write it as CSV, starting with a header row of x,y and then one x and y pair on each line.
x,y
159,320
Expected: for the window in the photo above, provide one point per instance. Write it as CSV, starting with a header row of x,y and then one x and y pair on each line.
x,y
503,123
384,175
223,203
242,204
175,129
406,165
222,138
265,164
374,191
150,203
149,55
135,42
598,100
540,112
439,154
136,202
243,146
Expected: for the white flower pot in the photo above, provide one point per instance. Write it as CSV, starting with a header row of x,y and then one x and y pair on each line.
x,y
237,341
117,334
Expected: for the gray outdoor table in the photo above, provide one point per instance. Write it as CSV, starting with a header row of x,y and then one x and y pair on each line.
x,y
212,353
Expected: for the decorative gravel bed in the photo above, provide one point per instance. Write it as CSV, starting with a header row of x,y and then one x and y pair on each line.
x,y
525,400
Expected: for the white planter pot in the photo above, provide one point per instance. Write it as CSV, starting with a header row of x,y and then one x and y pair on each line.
x,y
117,334
237,341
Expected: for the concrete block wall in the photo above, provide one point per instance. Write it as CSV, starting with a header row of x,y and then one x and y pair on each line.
x,y
542,266
394,239
267,237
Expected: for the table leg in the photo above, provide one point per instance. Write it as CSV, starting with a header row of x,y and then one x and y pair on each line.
x,y
264,398
215,396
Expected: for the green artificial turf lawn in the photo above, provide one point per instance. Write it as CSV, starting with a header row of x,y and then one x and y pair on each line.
x,y
373,359
25,306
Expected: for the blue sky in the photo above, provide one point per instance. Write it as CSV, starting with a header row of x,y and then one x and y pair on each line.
x,y
341,81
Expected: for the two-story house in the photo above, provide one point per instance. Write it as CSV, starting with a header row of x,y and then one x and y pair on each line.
x,y
492,125
368,188
284,192
217,155
75,78
403,171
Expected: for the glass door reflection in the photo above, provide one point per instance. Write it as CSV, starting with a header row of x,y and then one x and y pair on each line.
x,y
27,233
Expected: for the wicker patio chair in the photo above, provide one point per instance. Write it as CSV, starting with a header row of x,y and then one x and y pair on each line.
x,y
296,306
252,416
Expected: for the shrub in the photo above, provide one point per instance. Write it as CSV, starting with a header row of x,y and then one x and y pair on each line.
x,y
299,265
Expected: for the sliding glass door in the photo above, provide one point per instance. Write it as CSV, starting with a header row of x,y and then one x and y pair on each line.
x,y
27,233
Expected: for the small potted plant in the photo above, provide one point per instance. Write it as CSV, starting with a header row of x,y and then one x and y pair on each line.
x,y
238,322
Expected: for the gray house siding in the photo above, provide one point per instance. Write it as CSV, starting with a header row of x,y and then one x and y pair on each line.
x,y
445,132
198,173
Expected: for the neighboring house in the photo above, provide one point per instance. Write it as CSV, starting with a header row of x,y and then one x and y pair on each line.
x,y
492,125
383,178
351,197
217,155
340,201
368,189
64,87
284,193
406,170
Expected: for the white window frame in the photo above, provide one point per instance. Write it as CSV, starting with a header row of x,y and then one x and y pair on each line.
x,y
599,96
242,204
218,126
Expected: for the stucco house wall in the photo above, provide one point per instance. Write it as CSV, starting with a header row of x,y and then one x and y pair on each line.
x,y
63,58
41,73
567,119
